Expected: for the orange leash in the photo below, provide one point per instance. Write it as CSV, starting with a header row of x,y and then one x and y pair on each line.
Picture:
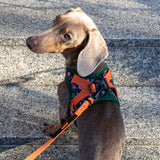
x,y
79,111
40,150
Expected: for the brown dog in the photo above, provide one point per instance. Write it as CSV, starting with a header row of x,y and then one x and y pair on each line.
x,y
100,127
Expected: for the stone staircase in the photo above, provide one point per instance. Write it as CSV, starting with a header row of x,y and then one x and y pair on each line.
x,y
28,82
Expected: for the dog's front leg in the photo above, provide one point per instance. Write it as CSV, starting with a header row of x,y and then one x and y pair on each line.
x,y
64,111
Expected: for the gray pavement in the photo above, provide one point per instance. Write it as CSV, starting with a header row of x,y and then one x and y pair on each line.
x,y
116,19
70,152
28,82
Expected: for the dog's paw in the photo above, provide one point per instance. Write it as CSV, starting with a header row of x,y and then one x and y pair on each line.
x,y
49,129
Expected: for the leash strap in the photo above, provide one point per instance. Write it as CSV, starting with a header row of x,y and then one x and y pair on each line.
x,y
79,111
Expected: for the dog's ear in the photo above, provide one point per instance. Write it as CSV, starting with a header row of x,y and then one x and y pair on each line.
x,y
93,54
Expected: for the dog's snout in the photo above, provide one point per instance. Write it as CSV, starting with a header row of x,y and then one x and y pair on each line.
x,y
31,42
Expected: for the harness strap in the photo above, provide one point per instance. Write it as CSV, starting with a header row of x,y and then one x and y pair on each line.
x,y
87,88
108,78
78,112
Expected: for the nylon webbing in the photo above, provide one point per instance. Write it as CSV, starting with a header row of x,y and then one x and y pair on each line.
x,y
78,112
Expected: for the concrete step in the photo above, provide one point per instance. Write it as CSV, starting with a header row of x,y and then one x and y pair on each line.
x,y
131,65
115,18
62,149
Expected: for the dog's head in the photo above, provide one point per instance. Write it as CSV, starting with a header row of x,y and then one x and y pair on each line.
x,y
69,31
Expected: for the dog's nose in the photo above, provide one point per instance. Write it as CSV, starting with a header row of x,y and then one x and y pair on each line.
x,y
31,42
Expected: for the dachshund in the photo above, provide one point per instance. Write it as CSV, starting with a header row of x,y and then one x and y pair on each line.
x,y
100,128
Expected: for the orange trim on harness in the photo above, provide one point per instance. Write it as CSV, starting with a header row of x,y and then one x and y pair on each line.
x,y
86,87
107,78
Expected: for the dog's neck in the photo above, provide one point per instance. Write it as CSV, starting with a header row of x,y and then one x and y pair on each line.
x,y
71,62
71,56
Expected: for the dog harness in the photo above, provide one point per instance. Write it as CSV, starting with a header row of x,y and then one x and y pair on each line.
x,y
98,87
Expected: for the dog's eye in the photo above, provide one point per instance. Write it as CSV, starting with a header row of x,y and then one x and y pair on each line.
x,y
55,20
67,36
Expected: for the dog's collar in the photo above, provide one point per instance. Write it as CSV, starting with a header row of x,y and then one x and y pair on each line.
x,y
98,86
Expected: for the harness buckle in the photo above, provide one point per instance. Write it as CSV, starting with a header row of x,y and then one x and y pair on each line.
x,y
92,88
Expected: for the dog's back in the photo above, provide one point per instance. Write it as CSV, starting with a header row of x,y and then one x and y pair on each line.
x,y
101,133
